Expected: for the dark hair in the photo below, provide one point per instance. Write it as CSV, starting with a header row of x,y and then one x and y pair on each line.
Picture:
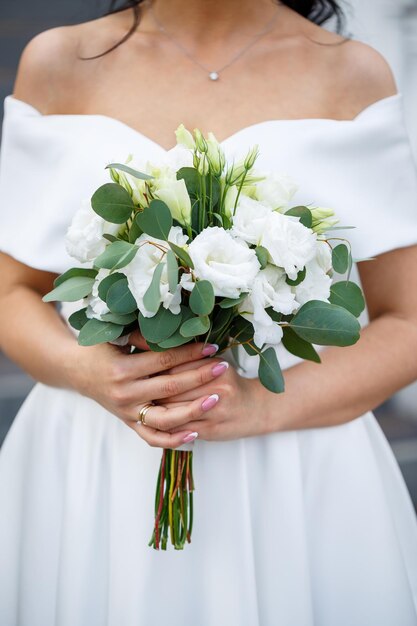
x,y
318,11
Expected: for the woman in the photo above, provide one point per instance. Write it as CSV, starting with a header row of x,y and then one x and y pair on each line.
x,y
302,516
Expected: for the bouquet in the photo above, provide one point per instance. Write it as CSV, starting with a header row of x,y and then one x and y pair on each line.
x,y
196,248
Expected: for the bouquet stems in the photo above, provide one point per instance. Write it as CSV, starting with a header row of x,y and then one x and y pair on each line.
x,y
173,500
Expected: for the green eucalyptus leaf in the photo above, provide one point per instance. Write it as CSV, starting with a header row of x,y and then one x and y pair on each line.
x,y
129,170
300,277
155,220
113,203
192,178
325,324
109,237
135,231
299,347
78,319
262,255
173,342
119,298
195,326
74,271
120,318
202,298
228,303
304,213
340,258
161,326
269,371
152,296
172,271
116,255
349,296
182,255
107,282
95,331
71,290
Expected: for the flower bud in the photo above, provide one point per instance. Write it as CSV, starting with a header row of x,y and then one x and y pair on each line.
x,y
321,213
215,155
184,137
251,157
200,142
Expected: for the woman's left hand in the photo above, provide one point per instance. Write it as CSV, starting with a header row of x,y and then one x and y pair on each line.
x,y
235,404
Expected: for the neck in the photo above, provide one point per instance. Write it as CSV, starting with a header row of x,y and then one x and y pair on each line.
x,y
201,19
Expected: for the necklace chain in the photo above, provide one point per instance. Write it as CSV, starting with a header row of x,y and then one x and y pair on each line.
x,y
213,74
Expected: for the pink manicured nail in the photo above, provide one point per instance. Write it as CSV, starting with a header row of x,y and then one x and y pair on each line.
x,y
210,349
219,368
190,437
210,402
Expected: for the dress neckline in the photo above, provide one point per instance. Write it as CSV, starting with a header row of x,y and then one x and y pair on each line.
x,y
381,103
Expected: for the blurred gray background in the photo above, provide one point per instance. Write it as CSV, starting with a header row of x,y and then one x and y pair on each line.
x,y
389,26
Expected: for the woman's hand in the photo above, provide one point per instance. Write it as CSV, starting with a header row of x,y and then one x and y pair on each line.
x,y
233,405
123,383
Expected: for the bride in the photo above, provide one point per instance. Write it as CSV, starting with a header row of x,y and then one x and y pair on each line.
x,y
302,516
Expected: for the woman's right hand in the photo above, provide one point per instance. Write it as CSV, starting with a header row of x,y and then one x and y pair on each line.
x,y
123,383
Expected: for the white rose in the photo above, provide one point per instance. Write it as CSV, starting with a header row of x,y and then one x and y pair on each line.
x,y
84,238
315,286
96,307
140,271
249,220
290,244
276,190
269,290
229,264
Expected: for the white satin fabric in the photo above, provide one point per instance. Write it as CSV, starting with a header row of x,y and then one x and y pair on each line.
x,y
303,528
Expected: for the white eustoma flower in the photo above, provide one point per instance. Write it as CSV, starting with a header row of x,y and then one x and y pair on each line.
x,y
96,307
275,190
140,270
315,286
228,263
269,290
290,244
184,137
174,193
250,219
84,238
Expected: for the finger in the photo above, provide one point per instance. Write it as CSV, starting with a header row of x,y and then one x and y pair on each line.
x,y
172,385
138,341
160,439
192,365
164,419
148,363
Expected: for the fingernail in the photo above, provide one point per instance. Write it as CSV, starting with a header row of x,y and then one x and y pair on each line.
x,y
209,349
219,368
210,402
190,437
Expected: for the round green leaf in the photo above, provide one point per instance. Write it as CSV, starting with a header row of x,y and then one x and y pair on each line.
x,y
155,220
300,277
113,203
195,326
119,318
349,296
269,371
118,254
262,255
182,255
228,303
298,347
94,332
202,298
119,298
71,290
78,319
172,271
107,282
303,213
325,324
340,258
159,327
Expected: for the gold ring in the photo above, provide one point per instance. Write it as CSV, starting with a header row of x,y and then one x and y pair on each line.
x,y
143,411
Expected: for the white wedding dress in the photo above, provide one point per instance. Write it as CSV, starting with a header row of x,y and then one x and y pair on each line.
x,y
302,528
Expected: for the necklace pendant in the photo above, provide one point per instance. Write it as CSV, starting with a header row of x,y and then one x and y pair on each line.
x,y
213,76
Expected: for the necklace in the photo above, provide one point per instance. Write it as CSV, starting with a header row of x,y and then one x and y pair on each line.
x,y
213,74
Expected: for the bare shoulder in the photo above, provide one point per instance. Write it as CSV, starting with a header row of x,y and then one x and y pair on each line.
x,y
363,75
52,69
